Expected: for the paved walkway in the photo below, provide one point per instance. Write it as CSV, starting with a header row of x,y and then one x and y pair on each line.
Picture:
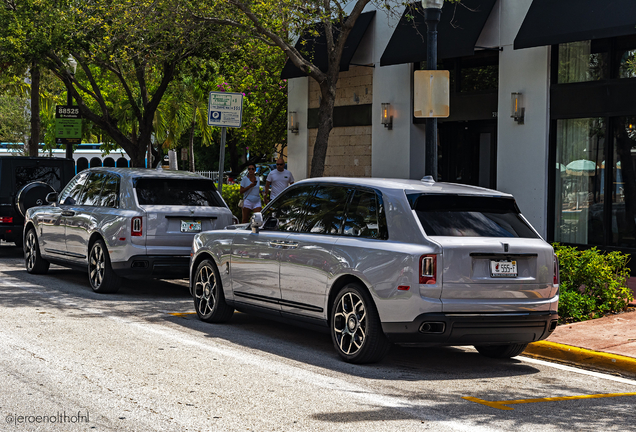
x,y
607,343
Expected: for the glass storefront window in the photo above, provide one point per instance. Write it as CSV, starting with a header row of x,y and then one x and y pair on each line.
x,y
624,179
580,146
583,61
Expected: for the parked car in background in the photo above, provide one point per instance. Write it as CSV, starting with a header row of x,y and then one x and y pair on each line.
x,y
25,182
381,261
123,222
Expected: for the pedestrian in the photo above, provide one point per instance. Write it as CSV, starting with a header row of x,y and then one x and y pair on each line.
x,y
278,180
251,190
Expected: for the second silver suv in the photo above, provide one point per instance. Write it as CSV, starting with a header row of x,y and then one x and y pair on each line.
x,y
122,222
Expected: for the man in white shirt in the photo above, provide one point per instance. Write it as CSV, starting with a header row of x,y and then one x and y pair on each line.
x,y
278,180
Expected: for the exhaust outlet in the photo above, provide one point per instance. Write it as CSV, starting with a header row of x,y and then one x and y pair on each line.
x,y
433,327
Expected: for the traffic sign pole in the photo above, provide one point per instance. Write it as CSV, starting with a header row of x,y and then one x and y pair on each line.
x,y
222,159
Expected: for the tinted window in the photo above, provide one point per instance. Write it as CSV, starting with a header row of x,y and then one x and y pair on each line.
x,y
180,192
470,216
110,192
325,210
90,194
288,208
27,174
71,193
365,216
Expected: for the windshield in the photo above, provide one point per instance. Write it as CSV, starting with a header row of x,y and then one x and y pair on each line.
x,y
180,192
470,216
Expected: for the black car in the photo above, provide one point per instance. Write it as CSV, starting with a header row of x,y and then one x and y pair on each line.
x,y
24,183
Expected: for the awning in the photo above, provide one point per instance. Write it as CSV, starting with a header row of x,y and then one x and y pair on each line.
x,y
315,48
457,32
550,22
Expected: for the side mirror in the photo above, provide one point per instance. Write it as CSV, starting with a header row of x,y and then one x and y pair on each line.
x,y
256,221
271,224
51,197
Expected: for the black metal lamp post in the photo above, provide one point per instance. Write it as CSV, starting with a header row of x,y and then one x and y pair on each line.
x,y
432,14
72,63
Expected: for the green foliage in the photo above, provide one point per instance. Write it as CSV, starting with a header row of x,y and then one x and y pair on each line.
x,y
232,196
593,283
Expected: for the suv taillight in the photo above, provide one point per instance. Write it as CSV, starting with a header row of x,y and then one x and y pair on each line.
x,y
6,219
428,269
556,278
136,227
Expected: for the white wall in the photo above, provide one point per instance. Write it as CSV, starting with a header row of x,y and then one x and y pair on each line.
x,y
297,100
522,149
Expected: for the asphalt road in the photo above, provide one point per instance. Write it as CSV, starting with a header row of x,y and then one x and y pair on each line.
x,y
141,361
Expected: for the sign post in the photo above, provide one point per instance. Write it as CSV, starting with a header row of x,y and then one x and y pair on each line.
x,y
68,126
224,110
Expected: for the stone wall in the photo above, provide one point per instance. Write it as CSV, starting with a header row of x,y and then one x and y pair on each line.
x,y
349,151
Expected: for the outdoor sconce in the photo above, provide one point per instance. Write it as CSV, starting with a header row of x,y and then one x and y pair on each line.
x,y
518,110
387,118
72,65
293,122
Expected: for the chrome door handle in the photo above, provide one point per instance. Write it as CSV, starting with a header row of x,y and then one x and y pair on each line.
x,y
291,245
68,213
276,244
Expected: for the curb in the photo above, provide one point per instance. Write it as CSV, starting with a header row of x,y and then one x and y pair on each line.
x,y
582,357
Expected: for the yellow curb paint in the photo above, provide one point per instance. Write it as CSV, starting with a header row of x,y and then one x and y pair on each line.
x,y
182,313
601,360
502,404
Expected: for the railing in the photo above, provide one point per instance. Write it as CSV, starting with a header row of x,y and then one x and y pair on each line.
x,y
214,175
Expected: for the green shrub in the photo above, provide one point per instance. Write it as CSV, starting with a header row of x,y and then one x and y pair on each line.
x,y
593,283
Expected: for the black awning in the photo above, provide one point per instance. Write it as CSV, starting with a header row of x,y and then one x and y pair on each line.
x,y
315,48
457,32
550,22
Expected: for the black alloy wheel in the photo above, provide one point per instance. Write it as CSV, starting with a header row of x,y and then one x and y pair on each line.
x,y
209,301
33,261
356,331
100,273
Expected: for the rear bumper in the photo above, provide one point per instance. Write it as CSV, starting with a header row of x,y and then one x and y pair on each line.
x,y
153,266
11,232
472,329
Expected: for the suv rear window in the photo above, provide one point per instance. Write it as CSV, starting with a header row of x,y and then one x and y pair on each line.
x,y
48,174
470,216
180,192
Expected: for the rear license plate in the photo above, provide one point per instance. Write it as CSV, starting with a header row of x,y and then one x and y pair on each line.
x,y
190,226
503,268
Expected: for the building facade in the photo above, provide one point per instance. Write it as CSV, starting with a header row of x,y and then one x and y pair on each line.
x,y
572,64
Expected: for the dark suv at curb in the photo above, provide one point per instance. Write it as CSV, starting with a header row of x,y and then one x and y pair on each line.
x,y
24,183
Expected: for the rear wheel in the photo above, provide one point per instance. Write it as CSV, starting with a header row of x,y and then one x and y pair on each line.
x,y
501,351
355,326
100,273
209,301
33,261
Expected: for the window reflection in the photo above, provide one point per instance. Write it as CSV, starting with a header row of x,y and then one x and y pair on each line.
x,y
579,181
624,178
583,61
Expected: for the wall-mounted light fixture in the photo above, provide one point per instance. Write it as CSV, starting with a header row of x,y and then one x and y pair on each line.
x,y
387,118
293,122
518,110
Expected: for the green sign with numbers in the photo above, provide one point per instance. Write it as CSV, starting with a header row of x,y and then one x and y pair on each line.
x,y
68,125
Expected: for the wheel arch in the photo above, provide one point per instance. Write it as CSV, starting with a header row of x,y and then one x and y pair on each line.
x,y
198,259
27,227
337,286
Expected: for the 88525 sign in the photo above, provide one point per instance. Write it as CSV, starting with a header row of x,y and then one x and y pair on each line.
x,y
68,125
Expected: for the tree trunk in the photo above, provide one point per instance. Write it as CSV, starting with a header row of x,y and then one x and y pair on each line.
x,y
325,124
232,150
34,141
191,143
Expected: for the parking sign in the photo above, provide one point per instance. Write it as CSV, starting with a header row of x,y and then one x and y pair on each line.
x,y
225,109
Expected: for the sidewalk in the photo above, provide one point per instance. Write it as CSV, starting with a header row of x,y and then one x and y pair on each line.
x,y
608,344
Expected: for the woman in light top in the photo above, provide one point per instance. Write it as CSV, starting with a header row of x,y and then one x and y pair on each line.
x,y
250,188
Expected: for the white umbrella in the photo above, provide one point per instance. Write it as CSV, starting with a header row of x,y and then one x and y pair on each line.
x,y
581,167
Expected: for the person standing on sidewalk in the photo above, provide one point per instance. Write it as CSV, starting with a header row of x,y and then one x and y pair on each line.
x,y
250,188
278,180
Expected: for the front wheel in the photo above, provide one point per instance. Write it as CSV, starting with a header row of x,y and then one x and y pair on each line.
x,y
209,301
33,261
100,273
355,326
501,351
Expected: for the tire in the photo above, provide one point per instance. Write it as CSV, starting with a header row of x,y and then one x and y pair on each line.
x,y
101,276
501,351
33,261
209,300
355,326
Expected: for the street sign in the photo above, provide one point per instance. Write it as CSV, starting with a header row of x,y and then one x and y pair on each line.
x,y
68,125
225,109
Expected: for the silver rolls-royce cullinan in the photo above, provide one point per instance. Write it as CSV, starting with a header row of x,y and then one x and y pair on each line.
x,y
381,261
